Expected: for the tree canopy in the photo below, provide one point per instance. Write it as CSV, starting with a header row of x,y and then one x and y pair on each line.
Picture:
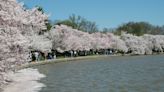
x,y
139,28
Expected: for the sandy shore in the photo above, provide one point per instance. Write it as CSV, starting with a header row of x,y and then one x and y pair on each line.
x,y
25,80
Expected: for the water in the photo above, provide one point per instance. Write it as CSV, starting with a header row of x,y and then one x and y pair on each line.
x,y
109,74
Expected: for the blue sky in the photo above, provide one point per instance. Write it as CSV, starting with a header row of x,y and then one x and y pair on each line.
x,y
106,13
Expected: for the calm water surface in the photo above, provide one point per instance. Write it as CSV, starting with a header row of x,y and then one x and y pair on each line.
x,y
109,74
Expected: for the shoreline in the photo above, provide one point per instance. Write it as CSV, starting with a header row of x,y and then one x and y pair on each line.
x,y
11,84
58,60
7,86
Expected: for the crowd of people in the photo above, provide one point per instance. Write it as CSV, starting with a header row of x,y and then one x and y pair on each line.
x,y
40,56
36,56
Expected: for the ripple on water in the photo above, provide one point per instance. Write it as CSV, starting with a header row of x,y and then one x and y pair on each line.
x,y
110,74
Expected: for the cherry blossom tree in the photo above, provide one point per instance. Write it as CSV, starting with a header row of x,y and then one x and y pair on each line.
x,y
65,38
17,25
100,41
41,43
117,43
136,44
155,42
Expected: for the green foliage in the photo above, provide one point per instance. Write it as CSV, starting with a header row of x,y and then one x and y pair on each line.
x,y
40,9
139,28
49,25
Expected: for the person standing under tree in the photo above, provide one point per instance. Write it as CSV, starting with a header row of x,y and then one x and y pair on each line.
x,y
36,56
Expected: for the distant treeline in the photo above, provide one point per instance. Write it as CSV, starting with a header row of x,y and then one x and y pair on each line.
x,y
136,28
140,28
